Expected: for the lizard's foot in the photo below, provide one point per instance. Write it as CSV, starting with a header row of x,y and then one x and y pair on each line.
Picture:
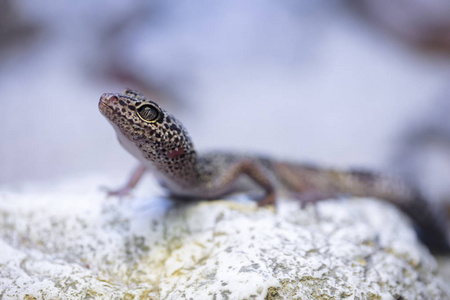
x,y
268,199
121,193
312,197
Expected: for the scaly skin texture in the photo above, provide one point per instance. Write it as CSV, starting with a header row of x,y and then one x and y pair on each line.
x,y
162,145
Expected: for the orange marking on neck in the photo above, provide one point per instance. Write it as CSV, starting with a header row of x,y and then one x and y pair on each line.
x,y
175,153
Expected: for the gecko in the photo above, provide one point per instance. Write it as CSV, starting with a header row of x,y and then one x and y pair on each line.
x,y
163,146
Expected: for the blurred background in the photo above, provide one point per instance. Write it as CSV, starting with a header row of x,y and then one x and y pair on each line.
x,y
336,83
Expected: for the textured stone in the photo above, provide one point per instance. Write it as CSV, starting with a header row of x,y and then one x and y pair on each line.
x,y
70,241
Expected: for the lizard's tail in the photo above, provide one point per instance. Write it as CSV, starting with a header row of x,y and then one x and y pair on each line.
x,y
429,218
432,223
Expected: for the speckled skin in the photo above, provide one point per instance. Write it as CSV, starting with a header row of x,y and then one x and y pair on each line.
x,y
164,147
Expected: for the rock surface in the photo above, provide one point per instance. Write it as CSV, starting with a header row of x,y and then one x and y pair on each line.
x,y
69,241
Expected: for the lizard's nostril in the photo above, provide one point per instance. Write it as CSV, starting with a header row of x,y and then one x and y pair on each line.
x,y
112,99
108,98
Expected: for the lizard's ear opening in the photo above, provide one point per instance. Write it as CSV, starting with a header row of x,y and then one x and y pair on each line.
x,y
148,113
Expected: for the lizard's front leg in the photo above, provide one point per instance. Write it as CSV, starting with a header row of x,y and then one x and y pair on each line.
x,y
131,184
256,173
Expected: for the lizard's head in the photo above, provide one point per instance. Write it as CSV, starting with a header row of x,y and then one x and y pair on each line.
x,y
145,129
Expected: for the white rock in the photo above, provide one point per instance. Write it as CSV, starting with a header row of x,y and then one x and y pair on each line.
x,y
70,242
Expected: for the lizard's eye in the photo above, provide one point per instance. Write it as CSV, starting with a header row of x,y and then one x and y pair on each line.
x,y
148,113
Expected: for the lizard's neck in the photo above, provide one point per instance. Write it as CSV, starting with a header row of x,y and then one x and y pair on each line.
x,y
174,165
181,172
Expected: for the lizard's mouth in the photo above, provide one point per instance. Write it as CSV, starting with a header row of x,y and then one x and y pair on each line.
x,y
104,107
102,104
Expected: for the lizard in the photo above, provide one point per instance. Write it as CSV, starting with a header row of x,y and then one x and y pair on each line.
x,y
163,146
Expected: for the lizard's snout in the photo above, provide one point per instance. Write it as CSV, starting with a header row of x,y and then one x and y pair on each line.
x,y
107,102
108,98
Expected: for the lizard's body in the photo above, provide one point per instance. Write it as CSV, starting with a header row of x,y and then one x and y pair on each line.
x,y
162,145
